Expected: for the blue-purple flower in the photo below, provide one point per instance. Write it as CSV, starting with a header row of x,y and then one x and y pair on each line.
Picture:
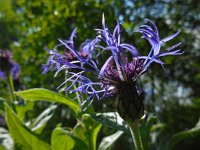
x,y
71,57
8,66
118,74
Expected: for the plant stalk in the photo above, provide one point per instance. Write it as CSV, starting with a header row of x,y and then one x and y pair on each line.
x,y
11,86
135,132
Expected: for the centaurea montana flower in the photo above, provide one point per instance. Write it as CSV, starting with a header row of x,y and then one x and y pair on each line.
x,y
118,75
71,57
8,66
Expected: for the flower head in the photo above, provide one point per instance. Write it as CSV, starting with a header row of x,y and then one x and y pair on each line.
x,y
7,65
71,57
118,75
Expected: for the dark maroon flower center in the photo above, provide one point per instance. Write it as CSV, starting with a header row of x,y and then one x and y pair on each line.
x,y
69,56
111,74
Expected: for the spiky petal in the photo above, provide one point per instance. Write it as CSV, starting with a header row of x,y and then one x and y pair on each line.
x,y
119,73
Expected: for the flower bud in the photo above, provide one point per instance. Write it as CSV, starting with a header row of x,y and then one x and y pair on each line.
x,y
129,102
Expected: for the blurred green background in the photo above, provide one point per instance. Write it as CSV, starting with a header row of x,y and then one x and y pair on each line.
x,y
28,27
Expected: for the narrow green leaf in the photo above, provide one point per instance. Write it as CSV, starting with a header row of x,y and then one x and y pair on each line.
x,y
21,134
41,121
38,94
191,133
2,99
66,140
6,142
92,129
146,126
87,130
109,140
111,119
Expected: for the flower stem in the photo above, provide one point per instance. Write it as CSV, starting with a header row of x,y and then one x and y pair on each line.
x,y
135,132
11,86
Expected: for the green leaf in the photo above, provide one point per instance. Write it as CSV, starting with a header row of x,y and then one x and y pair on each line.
x,y
6,142
22,109
40,122
146,127
109,140
92,129
38,94
2,100
21,134
60,140
87,131
2,148
66,140
192,133
111,119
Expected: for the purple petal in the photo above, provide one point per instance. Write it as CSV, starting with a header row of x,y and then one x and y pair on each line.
x,y
103,21
15,71
171,36
176,52
154,26
2,75
130,48
105,65
73,34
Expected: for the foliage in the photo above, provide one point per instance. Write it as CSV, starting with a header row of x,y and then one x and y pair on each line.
x,y
46,95
21,134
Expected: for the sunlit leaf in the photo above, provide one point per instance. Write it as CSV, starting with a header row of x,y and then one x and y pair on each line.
x,y
2,99
87,130
22,109
65,140
39,94
60,140
92,129
6,142
41,121
111,119
108,141
21,134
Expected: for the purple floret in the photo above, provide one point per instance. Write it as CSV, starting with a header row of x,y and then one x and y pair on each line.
x,y
117,71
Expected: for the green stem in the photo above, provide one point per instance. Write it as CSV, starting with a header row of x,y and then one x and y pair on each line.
x,y
92,144
11,86
135,132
